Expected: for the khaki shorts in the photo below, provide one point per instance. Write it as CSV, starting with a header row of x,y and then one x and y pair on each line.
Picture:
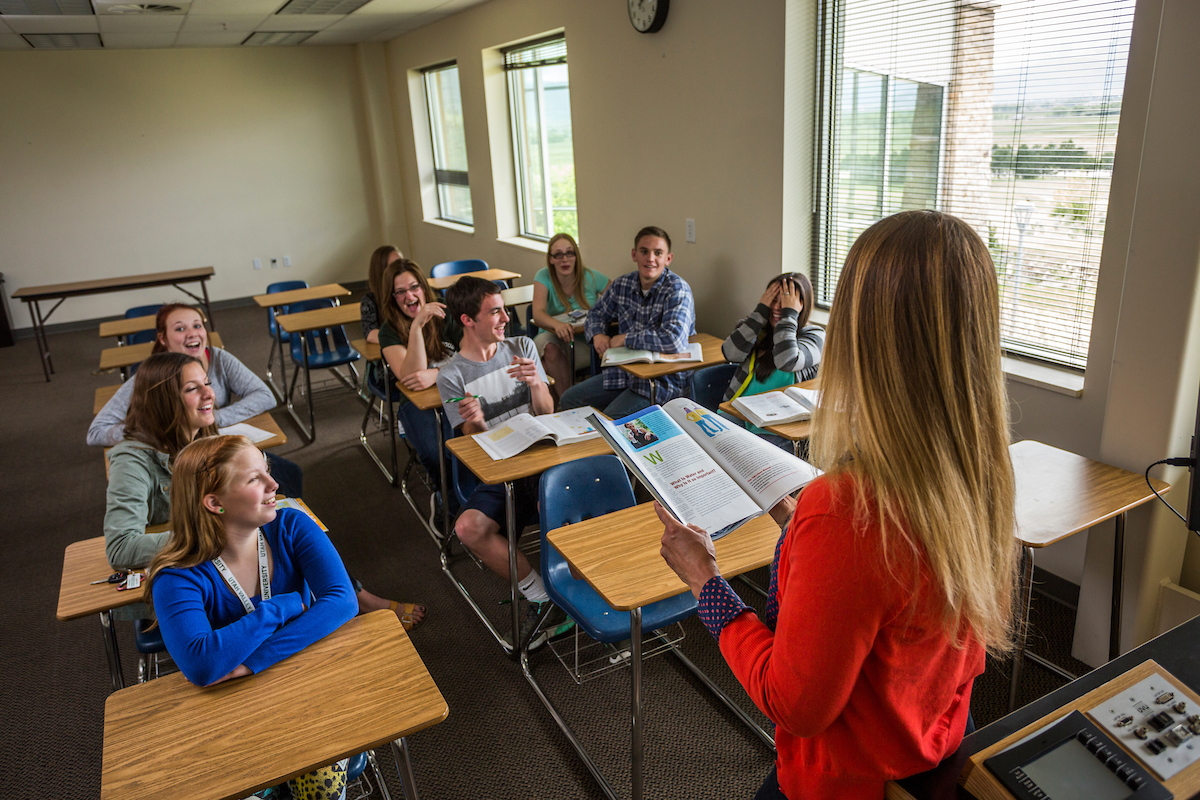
x,y
583,356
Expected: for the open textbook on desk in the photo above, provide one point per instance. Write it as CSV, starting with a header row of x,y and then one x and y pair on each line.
x,y
517,434
616,356
775,408
706,471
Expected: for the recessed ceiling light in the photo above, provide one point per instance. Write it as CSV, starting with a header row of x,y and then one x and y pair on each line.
x,y
276,38
64,41
45,8
322,6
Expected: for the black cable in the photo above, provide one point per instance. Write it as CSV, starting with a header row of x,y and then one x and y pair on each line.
x,y
1173,462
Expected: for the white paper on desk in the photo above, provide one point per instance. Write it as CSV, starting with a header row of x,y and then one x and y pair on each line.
x,y
252,433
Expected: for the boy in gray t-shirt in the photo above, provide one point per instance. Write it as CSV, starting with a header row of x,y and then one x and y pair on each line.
x,y
489,380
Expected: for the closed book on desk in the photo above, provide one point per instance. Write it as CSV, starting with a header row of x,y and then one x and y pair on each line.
x,y
616,356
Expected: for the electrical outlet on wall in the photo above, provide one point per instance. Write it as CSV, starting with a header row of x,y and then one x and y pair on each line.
x,y
691,231
274,263
258,263
287,261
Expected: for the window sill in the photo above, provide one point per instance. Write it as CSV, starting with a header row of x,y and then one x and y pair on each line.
x,y
523,243
454,226
1043,376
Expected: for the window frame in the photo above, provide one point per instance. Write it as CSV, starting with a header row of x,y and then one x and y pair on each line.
x,y
443,177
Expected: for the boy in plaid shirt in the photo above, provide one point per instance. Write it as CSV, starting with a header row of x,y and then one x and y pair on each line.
x,y
654,310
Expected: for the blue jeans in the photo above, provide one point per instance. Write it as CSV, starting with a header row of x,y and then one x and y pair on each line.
x,y
616,403
770,788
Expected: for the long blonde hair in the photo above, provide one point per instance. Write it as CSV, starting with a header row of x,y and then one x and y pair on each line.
x,y
914,406
197,534
580,272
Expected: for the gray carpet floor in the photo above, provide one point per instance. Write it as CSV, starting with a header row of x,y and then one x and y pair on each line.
x,y
498,740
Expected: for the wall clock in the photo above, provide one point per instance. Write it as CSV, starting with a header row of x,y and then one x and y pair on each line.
x,y
648,16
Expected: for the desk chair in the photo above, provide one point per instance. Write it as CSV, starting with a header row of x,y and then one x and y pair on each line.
x,y
140,337
149,643
381,389
283,338
321,348
421,440
460,267
709,384
570,493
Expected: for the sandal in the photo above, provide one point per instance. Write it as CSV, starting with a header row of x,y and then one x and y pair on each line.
x,y
405,615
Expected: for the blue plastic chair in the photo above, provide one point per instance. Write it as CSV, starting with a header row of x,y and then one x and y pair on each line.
x,y
275,288
140,337
381,387
580,490
278,337
149,641
709,384
328,348
460,267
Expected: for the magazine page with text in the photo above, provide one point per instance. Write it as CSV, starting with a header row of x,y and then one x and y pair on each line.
x,y
677,471
765,472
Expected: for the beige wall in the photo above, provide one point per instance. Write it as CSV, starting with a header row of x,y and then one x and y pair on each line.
x,y
133,161
663,129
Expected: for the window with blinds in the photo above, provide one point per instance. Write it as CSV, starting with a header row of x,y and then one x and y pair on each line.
x,y
539,107
1002,113
448,134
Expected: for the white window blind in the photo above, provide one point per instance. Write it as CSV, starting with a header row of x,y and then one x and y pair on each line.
x,y
1002,113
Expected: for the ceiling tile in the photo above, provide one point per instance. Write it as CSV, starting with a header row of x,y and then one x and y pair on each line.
x,y
298,22
331,36
221,23
188,38
370,22
139,40
66,24
263,7
407,7
139,23
11,41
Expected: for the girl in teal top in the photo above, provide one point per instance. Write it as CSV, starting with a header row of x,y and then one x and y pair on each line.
x,y
564,285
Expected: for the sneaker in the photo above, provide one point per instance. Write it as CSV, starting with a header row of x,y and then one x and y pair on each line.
x,y
556,624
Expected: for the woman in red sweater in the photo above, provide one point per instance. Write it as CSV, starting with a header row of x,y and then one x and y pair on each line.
x,y
896,572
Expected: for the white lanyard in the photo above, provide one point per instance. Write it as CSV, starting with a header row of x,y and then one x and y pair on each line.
x,y
264,579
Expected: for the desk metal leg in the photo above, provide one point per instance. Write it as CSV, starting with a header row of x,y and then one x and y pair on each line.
x,y
635,701
110,650
442,478
212,322
280,390
39,335
1024,597
1118,581
309,431
404,768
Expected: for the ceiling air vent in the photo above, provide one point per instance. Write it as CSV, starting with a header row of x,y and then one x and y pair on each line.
x,y
321,6
64,41
276,38
142,8
45,8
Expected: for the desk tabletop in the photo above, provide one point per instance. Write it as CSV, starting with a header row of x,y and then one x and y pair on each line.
x,y
536,459
518,295
358,688
319,318
618,554
113,284
711,346
370,350
1060,494
424,399
487,274
323,292
792,431
266,422
124,327
127,356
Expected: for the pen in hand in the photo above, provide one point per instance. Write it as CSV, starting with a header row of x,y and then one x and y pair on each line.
x,y
460,399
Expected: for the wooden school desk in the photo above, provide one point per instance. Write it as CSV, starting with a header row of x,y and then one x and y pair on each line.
x,y
618,555
534,461
358,688
300,323
794,432
121,328
84,562
711,355
125,356
443,283
33,295
1060,494
276,301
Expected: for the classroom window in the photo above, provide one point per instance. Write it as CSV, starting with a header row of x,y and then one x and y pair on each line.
x,y
539,108
1003,114
444,104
